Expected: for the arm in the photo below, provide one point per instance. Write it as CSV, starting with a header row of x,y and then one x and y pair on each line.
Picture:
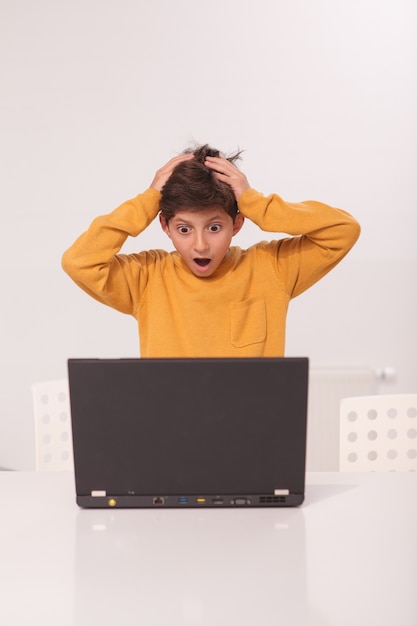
x,y
321,235
93,261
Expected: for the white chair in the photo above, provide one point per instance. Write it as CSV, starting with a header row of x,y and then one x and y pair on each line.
x,y
378,433
53,436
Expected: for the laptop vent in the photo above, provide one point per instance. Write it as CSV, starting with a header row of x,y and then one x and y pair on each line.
x,y
272,499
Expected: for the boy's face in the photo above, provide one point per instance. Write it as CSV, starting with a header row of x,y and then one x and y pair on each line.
x,y
202,238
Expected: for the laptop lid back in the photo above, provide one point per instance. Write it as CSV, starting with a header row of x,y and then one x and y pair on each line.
x,y
189,432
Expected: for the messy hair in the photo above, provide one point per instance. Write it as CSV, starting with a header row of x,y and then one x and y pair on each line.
x,y
193,187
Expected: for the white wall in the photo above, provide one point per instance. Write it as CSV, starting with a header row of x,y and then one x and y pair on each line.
x,y
97,94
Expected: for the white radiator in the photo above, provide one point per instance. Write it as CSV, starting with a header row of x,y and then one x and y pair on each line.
x,y
327,386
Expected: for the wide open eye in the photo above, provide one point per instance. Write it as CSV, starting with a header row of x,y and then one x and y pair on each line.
x,y
183,230
214,228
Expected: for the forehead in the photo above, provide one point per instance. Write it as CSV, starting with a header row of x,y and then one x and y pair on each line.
x,y
199,216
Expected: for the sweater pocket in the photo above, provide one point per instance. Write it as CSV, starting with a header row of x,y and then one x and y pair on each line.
x,y
248,322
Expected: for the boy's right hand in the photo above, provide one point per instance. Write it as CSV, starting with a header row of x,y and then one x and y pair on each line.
x,y
166,170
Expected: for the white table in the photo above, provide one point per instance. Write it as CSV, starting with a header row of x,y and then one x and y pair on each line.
x,y
348,556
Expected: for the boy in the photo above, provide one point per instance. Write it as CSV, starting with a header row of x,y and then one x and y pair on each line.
x,y
207,299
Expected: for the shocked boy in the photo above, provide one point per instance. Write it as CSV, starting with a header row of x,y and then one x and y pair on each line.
x,y
206,298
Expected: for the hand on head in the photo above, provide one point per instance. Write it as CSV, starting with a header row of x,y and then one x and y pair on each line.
x,y
228,173
166,170
223,169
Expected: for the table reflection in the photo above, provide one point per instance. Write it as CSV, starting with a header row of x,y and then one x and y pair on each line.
x,y
190,567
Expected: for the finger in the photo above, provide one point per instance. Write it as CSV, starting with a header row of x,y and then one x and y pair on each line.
x,y
169,167
223,166
164,173
183,157
219,161
223,177
178,159
238,184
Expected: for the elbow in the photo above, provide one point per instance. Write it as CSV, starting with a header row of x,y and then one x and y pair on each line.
x,y
355,231
65,263
352,232
68,264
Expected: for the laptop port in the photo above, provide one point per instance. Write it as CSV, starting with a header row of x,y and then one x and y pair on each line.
x,y
217,501
158,501
183,500
241,501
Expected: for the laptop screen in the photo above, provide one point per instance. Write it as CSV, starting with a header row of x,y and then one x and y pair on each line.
x,y
173,432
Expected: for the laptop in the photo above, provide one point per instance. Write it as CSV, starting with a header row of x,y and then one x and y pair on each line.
x,y
192,432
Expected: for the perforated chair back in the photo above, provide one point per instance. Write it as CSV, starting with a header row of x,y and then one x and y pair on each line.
x,y
378,433
53,436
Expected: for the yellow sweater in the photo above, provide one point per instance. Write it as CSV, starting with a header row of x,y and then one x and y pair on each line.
x,y
239,311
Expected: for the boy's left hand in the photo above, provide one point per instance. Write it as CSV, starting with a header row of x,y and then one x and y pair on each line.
x,y
228,173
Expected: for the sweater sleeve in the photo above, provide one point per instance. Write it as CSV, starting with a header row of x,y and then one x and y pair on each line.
x,y
321,236
93,261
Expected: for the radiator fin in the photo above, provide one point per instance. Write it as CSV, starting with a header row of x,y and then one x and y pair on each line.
x,y
327,386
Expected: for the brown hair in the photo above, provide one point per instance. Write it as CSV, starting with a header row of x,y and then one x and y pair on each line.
x,y
193,187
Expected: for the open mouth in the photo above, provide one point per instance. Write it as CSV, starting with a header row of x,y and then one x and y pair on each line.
x,y
202,262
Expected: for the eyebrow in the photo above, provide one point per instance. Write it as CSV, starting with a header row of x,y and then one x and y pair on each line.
x,y
215,218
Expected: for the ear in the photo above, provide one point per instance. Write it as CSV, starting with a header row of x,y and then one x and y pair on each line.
x,y
164,225
238,223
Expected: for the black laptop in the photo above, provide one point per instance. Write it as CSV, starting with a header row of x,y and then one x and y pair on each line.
x,y
163,433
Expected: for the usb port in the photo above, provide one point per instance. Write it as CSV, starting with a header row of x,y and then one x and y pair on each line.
x,y
217,501
183,500
200,500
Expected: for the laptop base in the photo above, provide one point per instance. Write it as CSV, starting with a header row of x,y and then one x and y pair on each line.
x,y
163,501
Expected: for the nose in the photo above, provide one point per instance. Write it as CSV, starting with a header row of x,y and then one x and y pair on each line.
x,y
200,243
